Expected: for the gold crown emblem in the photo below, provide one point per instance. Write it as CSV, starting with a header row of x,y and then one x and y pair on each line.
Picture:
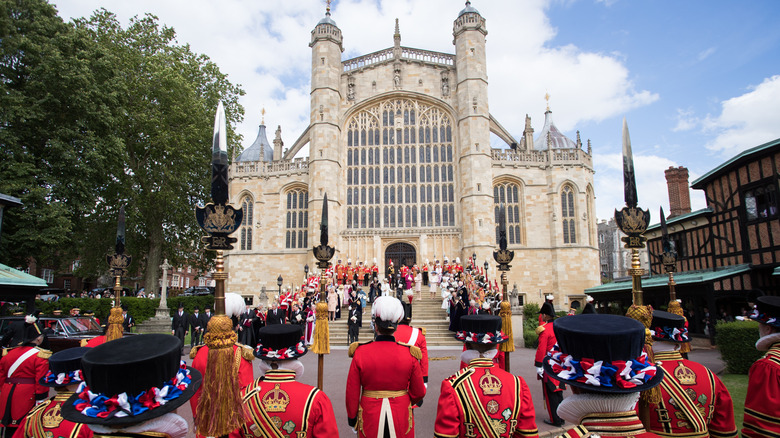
x,y
490,384
276,400
684,375
52,418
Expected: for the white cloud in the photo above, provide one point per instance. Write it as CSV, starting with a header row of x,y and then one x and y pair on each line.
x,y
264,47
686,121
704,54
746,121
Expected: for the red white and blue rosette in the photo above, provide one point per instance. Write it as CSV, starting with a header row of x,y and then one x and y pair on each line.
x,y
292,352
496,337
61,379
97,405
672,334
620,376
756,315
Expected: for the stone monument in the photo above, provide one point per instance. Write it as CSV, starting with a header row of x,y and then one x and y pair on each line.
x,y
161,323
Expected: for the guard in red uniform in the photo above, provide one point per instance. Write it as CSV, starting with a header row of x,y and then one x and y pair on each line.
x,y
552,389
406,334
483,400
601,357
276,404
694,402
385,378
45,420
20,372
762,404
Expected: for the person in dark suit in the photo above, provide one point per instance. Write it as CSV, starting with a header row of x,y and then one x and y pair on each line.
x,y
246,329
128,322
297,315
196,327
180,324
275,315
206,317
353,323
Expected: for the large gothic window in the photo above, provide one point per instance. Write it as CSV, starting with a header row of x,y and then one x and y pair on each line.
x,y
509,195
246,223
408,143
567,212
297,219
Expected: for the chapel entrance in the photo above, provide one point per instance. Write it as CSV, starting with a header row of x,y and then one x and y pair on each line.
x,y
401,254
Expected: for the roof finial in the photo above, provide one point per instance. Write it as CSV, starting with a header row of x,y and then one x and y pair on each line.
x,y
262,120
397,38
547,98
327,9
468,3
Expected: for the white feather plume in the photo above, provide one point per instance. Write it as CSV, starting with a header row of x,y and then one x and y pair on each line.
x,y
234,304
388,308
590,299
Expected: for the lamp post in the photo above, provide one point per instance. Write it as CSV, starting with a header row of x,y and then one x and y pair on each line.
x,y
474,261
487,266
306,270
279,282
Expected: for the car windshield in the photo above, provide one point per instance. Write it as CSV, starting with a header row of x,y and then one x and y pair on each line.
x,y
80,325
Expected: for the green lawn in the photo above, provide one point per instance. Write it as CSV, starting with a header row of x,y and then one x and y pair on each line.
x,y
737,386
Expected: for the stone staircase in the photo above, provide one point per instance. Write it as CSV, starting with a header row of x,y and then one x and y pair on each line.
x,y
426,313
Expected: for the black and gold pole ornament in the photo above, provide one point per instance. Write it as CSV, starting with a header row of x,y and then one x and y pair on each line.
x,y
503,257
669,260
219,408
119,261
633,222
323,253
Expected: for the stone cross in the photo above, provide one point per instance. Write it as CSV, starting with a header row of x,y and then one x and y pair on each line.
x,y
164,294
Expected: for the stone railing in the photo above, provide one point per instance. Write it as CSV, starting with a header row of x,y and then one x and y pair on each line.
x,y
406,53
261,168
546,157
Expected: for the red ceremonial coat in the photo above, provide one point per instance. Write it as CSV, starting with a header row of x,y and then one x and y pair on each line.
x,y
483,400
691,388
245,376
762,404
499,359
21,388
613,424
94,342
409,335
546,342
340,271
277,402
384,381
45,420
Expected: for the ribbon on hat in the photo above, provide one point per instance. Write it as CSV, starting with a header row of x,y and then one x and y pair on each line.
x,y
63,379
126,405
284,353
620,373
481,338
764,318
672,333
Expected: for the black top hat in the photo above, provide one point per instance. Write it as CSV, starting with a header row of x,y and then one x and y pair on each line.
x,y
602,353
196,308
280,342
481,329
181,305
767,311
589,308
124,307
64,367
142,367
547,309
31,331
668,327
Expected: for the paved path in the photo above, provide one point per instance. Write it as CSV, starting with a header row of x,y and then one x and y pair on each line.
x,y
444,361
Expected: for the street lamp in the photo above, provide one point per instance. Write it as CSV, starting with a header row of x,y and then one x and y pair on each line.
x,y
279,283
306,270
486,271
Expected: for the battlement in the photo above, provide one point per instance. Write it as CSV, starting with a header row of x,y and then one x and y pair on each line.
x,y
551,157
273,168
407,53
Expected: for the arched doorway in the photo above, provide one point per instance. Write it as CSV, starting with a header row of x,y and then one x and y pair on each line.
x,y
401,254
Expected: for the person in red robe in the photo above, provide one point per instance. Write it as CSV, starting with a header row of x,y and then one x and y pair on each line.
x,y
385,378
406,334
552,389
762,404
483,400
20,372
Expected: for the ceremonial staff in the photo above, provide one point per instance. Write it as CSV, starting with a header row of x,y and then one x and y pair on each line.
x,y
323,253
503,257
219,407
118,262
669,259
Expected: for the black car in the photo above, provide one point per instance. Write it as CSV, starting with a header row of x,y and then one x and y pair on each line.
x,y
198,291
62,332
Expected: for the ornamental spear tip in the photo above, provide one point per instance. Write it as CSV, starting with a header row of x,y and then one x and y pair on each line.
x,y
219,159
120,231
629,180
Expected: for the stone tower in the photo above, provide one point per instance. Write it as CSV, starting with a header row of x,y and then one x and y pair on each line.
x,y
471,104
324,157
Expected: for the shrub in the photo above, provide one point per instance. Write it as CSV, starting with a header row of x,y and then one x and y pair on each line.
x,y
141,309
736,342
530,322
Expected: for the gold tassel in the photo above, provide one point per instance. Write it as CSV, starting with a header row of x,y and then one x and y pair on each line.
x,y
220,410
506,327
115,319
675,308
321,344
194,351
352,347
644,314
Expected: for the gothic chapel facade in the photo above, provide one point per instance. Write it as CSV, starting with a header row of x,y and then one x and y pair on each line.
x,y
399,140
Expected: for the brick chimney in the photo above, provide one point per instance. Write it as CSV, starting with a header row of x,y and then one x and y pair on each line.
x,y
679,196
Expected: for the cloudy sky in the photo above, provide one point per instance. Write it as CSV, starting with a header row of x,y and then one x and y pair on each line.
x,y
697,80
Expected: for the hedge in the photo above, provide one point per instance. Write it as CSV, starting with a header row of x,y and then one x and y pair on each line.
x,y
141,309
737,344
530,322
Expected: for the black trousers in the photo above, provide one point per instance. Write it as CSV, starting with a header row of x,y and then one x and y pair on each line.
x,y
353,333
552,398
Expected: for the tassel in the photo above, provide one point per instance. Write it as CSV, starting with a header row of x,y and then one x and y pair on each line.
x,y
506,327
115,319
321,344
220,410
644,314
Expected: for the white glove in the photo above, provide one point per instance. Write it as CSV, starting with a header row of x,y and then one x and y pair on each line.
x,y
540,372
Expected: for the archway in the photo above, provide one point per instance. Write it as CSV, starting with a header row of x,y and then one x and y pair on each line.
x,y
401,254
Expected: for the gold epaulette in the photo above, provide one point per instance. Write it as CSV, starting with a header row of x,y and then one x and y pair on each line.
x,y
539,330
83,343
422,330
353,346
44,353
5,351
414,350
194,351
246,352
